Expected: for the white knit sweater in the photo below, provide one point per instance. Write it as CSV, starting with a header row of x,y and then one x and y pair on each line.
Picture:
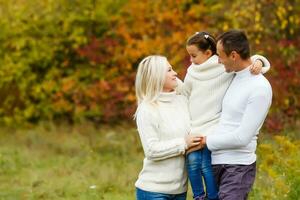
x,y
205,86
162,128
245,106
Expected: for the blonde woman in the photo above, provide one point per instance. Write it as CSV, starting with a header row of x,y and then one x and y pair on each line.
x,y
163,124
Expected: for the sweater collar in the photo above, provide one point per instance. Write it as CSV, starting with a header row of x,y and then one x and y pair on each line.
x,y
243,73
207,70
166,96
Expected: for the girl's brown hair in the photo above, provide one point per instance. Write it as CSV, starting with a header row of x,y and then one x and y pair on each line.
x,y
203,41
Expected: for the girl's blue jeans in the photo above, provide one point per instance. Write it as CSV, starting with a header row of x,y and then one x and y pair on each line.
x,y
198,166
145,195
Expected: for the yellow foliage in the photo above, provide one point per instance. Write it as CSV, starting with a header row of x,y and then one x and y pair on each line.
x,y
278,167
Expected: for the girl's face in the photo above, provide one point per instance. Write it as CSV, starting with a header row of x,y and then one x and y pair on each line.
x,y
197,56
170,80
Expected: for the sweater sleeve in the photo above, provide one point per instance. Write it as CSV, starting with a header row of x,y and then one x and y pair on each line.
x,y
187,86
154,147
266,63
253,118
179,88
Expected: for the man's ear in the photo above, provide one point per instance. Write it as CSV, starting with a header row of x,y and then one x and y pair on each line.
x,y
234,55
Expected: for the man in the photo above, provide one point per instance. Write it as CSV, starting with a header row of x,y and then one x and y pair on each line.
x,y
244,108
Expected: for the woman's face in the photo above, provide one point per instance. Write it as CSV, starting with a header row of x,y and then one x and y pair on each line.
x,y
170,80
196,55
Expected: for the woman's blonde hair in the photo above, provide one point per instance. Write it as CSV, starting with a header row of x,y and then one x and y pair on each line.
x,y
150,78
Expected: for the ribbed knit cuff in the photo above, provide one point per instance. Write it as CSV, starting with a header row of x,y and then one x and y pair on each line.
x,y
185,147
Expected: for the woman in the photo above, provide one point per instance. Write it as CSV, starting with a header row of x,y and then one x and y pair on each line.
x,y
163,124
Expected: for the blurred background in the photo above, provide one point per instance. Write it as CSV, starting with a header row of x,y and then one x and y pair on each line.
x,y
67,70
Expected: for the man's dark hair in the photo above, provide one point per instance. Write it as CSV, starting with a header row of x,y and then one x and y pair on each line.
x,y
235,40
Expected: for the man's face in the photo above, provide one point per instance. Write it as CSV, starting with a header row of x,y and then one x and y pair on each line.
x,y
227,61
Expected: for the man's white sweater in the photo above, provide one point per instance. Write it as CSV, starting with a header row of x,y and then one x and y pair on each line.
x,y
245,106
162,128
205,86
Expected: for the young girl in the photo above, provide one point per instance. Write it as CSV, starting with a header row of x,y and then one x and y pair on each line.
x,y
205,85
163,124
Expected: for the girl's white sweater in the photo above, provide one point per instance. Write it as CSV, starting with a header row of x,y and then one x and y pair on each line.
x,y
205,86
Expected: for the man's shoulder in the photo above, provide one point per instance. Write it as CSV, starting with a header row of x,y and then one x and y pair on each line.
x,y
260,84
265,82
261,81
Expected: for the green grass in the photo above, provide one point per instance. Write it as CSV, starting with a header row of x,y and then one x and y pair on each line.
x,y
64,163
48,162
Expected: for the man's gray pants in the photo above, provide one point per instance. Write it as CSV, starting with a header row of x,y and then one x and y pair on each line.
x,y
234,181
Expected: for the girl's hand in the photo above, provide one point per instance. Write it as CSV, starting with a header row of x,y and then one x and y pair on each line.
x,y
256,67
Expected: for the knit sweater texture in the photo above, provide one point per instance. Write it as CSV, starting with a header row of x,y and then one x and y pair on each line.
x,y
245,106
205,86
162,127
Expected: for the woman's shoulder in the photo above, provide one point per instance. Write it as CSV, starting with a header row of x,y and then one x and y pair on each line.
x,y
147,113
146,109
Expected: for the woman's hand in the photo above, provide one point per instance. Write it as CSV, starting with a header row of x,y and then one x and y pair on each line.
x,y
256,67
197,147
192,141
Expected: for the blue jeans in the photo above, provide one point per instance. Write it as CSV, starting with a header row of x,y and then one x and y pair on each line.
x,y
145,195
198,166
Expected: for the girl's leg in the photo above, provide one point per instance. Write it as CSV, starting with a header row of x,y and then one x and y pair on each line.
x,y
193,162
209,179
